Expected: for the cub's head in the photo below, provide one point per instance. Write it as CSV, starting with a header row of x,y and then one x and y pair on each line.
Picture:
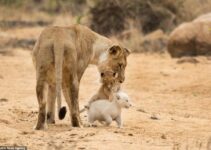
x,y
109,78
116,59
123,100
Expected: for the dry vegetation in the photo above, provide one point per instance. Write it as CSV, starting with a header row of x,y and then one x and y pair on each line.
x,y
171,97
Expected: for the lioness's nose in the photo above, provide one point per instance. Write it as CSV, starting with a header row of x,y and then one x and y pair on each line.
x,y
121,80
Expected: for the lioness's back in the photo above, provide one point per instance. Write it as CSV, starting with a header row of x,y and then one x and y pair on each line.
x,y
69,31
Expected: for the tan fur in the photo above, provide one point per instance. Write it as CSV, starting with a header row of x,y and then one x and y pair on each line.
x,y
61,56
109,86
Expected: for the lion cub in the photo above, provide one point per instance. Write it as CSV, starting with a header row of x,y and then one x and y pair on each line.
x,y
106,111
109,86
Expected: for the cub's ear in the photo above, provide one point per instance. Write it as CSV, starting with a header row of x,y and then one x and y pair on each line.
x,y
127,51
118,97
114,50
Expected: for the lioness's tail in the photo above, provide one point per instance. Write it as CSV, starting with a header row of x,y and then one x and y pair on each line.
x,y
59,56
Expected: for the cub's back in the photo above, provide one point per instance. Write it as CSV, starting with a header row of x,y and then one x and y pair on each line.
x,y
100,105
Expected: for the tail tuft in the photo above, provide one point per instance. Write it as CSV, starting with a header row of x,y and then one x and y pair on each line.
x,y
62,112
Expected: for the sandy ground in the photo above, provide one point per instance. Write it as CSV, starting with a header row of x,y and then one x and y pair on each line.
x,y
172,107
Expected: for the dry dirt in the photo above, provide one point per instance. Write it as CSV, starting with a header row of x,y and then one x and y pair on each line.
x,y
172,107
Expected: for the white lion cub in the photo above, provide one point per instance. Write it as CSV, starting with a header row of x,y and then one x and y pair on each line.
x,y
106,111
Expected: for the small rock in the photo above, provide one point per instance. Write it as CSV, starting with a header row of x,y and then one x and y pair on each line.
x,y
187,116
172,119
81,137
163,136
27,132
141,110
130,134
91,134
4,121
3,100
71,141
24,132
154,117
73,134
164,74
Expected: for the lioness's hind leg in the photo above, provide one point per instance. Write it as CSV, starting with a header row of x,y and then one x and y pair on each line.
x,y
51,104
75,115
40,87
70,89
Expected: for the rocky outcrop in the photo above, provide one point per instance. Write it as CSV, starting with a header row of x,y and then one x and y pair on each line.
x,y
191,39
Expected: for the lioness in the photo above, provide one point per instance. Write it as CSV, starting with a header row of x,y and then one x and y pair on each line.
x,y
60,56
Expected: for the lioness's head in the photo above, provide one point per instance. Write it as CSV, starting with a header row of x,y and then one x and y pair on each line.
x,y
117,61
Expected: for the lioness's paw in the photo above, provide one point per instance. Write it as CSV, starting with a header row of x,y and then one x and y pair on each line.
x,y
40,127
50,121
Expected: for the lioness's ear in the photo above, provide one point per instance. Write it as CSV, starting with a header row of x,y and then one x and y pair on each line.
x,y
115,75
114,50
127,51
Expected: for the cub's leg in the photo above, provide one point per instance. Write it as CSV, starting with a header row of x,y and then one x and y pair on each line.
x,y
91,120
119,121
51,104
40,87
108,120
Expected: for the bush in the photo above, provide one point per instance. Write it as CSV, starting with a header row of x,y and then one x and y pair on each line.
x,y
110,17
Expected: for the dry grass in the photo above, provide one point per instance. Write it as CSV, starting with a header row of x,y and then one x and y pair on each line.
x,y
195,8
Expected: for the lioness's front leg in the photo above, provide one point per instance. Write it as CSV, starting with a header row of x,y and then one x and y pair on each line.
x,y
51,104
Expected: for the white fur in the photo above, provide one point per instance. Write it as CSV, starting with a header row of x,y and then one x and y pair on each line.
x,y
123,95
103,57
106,111
99,50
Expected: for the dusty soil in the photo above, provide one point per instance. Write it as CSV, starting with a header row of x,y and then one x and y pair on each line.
x,y
172,104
